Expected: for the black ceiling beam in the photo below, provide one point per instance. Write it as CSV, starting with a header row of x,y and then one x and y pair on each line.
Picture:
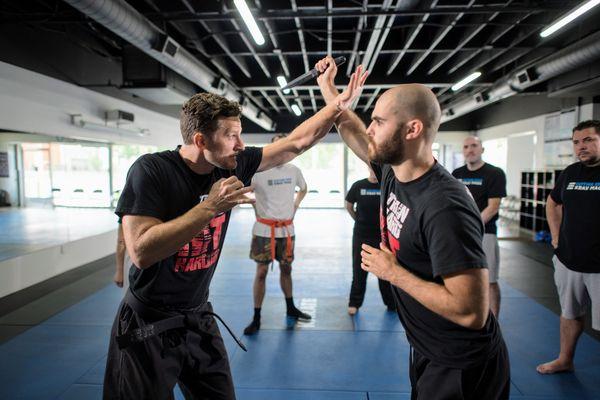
x,y
71,18
321,13
323,52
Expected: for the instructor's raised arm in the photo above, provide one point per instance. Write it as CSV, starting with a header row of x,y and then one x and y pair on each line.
x,y
313,129
351,128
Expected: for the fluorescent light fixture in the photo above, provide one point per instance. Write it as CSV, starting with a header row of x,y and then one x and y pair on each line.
x,y
296,110
460,84
249,21
582,9
77,120
89,139
282,82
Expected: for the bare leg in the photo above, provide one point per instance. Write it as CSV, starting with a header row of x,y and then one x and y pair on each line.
x,y
285,279
495,297
260,284
570,330
259,295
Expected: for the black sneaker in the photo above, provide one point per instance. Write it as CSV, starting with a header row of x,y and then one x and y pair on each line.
x,y
252,328
295,313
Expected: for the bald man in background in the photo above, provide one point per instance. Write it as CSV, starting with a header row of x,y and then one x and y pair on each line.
x,y
487,184
431,250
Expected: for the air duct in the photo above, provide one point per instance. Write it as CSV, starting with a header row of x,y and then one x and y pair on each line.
x,y
125,21
578,54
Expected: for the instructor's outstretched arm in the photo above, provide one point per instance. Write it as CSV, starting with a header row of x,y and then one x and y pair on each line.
x,y
313,129
351,128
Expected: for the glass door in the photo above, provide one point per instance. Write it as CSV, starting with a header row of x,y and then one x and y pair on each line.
x,y
37,179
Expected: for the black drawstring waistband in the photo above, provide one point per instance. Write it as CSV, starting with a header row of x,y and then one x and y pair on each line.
x,y
164,321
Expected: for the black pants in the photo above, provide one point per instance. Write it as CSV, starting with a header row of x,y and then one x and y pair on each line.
x,y
487,381
359,275
197,360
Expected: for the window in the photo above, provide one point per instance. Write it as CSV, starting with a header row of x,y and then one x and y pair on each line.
x,y
123,156
357,169
322,167
80,175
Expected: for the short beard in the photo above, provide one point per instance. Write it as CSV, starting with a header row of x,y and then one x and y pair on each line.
x,y
389,152
592,162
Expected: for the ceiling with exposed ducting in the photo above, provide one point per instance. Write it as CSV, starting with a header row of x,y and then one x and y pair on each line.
x,y
158,52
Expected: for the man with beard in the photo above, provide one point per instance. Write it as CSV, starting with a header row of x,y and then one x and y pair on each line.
x,y
487,185
431,250
175,209
574,219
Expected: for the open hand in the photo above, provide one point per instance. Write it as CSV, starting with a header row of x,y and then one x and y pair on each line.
x,y
357,80
228,193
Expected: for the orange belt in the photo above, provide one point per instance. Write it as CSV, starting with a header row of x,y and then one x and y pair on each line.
x,y
278,223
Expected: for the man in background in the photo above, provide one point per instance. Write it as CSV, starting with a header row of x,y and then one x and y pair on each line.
x,y
574,220
487,185
273,233
362,203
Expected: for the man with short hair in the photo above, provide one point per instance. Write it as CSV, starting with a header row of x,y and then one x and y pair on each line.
x,y
175,208
573,214
273,235
431,248
487,185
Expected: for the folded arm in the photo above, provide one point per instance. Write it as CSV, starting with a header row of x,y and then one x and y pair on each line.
x,y
463,298
150,240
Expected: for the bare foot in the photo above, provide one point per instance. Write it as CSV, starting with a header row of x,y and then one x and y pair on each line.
x,y
555,366
352,310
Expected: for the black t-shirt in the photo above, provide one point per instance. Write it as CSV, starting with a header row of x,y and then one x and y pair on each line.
x,y
485,183
161,185
366,196
578,190
433,227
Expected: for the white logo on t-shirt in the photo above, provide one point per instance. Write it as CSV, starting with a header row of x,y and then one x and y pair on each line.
x,y
583,186
396,215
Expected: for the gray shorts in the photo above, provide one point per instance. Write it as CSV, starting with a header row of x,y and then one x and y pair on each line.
x,y
576,291
492,255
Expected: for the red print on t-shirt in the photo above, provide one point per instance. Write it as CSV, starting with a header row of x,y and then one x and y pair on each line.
x,y
203,251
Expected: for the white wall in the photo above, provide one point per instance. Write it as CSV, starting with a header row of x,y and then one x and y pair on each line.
x,y
31,102
518,159
28,269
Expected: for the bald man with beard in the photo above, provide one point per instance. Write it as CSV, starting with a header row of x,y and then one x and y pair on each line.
x,y
431,249
487,184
